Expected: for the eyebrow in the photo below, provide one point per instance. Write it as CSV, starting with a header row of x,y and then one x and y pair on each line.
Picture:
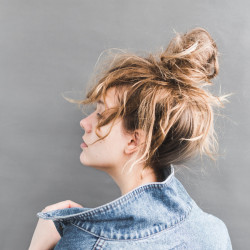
x,y
101,102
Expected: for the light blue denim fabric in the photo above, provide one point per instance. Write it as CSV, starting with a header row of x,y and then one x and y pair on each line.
x,y
157,215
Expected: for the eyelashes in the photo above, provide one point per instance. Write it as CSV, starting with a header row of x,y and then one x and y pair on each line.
x,y
99,116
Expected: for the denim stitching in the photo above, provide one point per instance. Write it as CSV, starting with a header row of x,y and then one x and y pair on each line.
x,y
182,220
120,201
99,244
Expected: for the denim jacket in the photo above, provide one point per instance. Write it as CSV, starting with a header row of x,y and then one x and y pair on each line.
x,y
156,215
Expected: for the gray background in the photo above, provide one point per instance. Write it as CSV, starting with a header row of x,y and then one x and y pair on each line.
x,y
51,46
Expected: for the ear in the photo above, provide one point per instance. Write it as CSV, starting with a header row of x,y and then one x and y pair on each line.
x,y
134,141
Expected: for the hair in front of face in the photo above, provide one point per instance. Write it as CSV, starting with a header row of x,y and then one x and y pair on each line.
x,y
164,95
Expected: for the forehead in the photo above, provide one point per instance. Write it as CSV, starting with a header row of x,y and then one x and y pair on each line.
x,y
110,98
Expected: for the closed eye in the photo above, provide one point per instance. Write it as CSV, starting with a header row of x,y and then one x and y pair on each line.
x,y
99,115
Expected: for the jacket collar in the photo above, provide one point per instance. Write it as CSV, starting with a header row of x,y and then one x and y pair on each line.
x,y
145,210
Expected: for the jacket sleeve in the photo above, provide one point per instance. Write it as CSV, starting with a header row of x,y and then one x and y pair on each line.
x,y
73,237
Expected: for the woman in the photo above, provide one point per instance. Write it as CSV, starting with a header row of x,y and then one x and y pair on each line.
x,y
152,113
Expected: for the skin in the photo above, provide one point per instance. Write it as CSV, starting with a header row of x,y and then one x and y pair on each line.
x,y
46,236
108,155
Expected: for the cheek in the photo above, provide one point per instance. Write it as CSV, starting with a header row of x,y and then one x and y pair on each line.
x,y
113,144
116,142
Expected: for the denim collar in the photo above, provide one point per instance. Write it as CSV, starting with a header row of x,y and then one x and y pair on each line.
x,y
147,209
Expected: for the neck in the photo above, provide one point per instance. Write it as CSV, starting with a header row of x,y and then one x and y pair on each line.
x,y
129,181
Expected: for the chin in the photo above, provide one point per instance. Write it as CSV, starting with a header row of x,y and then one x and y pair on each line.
x,y
83,159
90,164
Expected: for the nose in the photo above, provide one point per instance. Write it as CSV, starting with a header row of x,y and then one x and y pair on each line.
x,y
85,124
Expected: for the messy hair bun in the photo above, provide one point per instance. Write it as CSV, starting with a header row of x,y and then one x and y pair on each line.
x,y
163,95
191,58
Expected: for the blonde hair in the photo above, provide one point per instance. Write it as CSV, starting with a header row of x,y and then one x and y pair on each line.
x,y
164,94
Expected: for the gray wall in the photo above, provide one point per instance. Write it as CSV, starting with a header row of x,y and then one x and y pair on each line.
x,y
51,46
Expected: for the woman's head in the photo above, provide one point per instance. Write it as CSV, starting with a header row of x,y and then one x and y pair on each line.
x,y
113,150
164,98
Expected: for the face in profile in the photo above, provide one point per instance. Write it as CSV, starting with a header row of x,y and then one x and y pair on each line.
x,y
106,153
